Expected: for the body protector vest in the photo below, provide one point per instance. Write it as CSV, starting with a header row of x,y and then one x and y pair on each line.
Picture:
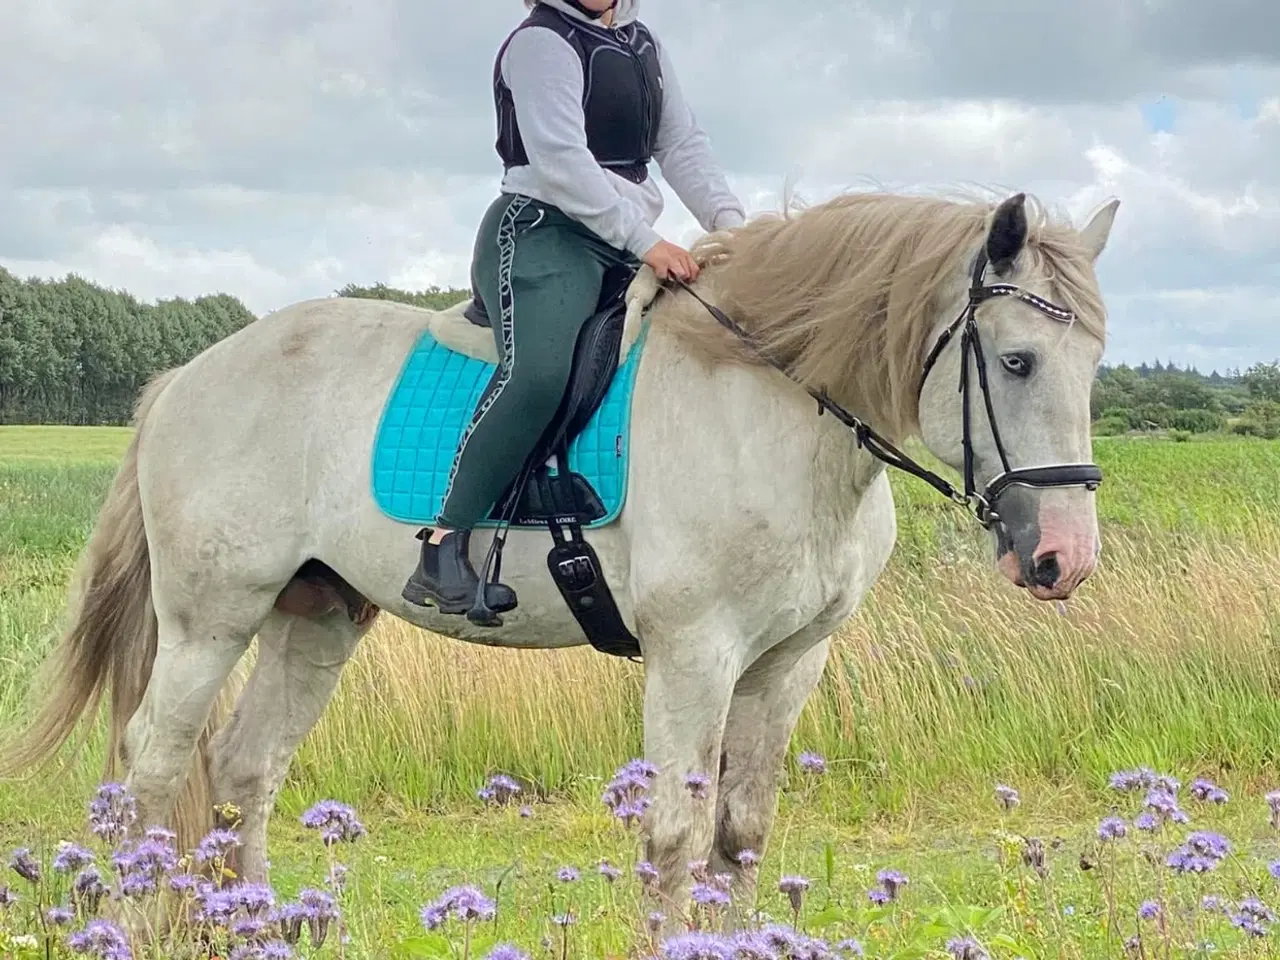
x,y
621,98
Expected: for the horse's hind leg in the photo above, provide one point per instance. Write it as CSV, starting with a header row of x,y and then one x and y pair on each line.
x,y
193,659
766,704
299,662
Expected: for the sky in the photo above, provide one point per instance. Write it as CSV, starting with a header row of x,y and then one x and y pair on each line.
x,y
279,151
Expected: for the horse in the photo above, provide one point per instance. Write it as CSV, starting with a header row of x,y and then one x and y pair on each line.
x,y
753,527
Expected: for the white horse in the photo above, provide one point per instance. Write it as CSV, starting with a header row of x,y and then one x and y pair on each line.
x,y
751,531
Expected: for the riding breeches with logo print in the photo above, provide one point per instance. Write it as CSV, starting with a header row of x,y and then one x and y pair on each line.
x,y
539,274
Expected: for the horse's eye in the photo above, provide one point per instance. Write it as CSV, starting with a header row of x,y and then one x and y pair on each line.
x,y
1018,364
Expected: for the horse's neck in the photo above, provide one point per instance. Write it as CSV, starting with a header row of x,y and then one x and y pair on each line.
x,y
767,427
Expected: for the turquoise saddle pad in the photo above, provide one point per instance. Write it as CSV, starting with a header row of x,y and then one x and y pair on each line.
x,y
430,407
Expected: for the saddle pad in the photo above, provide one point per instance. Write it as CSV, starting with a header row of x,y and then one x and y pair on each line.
x,y
430,407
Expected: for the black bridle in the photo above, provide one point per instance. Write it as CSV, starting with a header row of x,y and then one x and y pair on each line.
x,y
981,505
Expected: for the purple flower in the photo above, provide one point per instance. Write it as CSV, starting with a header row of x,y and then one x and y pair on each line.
x,y
568,875
748,859
646,873
1149,910
506,951
336,821
1007,797
1147,822
812,763
71,858
1206,791
466,904
216,844
526,812
1255,908
609,871
706,895
878,896
892,881
321,909
500,790
627,794
7,897
1273,801
60,916
88,889
1162,802
696,946
112,812
1127,781
1213,904
254,899
1112,828
25,865
698,785
794,888
1201,852
102,940
966,948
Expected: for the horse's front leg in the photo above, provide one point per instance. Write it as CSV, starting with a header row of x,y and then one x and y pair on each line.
x,y
689,682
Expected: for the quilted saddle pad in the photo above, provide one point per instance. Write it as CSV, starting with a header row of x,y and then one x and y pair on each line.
x,y
429,408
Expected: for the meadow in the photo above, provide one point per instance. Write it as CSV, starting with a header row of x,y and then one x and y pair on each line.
x,y
947,685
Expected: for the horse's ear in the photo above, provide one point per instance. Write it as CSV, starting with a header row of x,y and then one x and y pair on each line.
x,y
1008,233
1095,233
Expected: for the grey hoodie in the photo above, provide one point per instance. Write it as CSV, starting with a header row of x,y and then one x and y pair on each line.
x,y
544,75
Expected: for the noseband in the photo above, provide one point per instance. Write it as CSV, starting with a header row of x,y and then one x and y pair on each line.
x,y
981,505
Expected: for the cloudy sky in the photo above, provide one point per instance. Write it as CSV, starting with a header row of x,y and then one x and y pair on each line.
x,y
177,149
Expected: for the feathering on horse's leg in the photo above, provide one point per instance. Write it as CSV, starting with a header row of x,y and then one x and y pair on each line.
x,y
299,663
766,704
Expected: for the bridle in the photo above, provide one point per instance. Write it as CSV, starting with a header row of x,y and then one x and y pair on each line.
x,y
980,504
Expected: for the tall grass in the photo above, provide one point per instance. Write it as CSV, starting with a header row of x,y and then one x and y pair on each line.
x,y
947,679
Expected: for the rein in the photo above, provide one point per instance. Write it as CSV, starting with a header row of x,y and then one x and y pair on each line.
x,y
980,504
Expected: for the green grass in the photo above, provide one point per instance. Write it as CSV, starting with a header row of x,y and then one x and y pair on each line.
x,y
946,683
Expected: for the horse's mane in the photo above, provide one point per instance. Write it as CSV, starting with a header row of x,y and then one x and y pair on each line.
x,y
826,290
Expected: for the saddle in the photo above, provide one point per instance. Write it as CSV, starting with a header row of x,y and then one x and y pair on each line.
x,y
561,499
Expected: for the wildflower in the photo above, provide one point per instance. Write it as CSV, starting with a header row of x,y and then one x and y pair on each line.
x,y
812,763
101,939
7,897
966,948
112,812
1165,805
696,946
1213,904
25,865
1149,910
526,813
462,903
1255,908
506,951
878,896
1007,797
1250,925
88,889
71,858
1033,854
1206,791
646,873
1201,852
254,899
182,882
748,859
500,790
707,895
60,916
1146,822
336,821
321,910
1112,828
251,929
794,888
654,922
611,873
1273,801
627,794
698,785
568,875
216,844
1127,781
892,881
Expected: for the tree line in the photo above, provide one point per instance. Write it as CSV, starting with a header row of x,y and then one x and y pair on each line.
x,y
73,352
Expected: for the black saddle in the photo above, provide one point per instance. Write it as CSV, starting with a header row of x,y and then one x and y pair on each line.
x,y
564,499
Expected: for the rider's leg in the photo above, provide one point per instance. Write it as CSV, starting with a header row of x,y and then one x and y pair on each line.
x,y
539,273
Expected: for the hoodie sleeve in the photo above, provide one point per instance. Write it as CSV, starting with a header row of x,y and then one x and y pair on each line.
x,y
545,79
684,155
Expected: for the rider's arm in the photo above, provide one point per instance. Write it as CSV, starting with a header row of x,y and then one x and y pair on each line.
x,y
545,78
684,156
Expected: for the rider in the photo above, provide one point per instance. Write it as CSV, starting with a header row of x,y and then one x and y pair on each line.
x,y
576,199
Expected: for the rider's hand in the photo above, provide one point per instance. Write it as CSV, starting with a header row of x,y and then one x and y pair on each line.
x,y
669,260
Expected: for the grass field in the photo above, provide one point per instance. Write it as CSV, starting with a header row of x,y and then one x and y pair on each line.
x,y
946,684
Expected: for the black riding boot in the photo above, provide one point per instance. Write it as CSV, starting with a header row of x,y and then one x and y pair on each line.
x,y
446,580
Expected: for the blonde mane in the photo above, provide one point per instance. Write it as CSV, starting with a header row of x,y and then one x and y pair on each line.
x,y
827,290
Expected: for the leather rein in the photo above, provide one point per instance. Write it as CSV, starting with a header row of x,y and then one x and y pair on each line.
x,y
980,504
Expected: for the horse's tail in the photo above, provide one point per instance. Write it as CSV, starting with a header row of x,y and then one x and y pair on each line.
x,y
111,642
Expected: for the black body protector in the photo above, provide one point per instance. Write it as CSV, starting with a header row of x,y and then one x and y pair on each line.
x,y
621,97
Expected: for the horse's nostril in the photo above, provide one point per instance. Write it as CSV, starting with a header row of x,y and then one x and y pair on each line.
x,y
1046,572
